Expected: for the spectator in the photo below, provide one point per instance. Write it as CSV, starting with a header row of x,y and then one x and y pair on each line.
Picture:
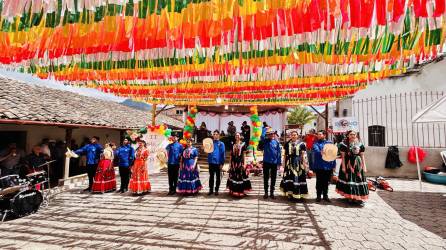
x,y
246,132
231,132
10,159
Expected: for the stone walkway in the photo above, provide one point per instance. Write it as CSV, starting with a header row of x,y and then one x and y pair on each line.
x,y
404,219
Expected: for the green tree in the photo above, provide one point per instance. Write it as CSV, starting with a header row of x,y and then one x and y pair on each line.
x,y
300,116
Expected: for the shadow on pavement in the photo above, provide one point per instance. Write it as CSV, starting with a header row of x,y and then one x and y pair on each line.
x,y
427,210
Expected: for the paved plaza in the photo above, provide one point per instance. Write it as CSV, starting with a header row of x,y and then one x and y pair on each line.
x,y
404,219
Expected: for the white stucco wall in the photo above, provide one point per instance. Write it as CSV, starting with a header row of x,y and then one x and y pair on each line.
x,y
432,77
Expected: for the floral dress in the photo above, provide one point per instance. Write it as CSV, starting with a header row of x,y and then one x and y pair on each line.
x,y
189,179
352,183
139,183
294,181
238,181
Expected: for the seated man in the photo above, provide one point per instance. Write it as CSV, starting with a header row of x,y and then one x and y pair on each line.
x,y
10,160
34,161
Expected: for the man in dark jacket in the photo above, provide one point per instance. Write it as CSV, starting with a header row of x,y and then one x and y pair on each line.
x,y
93,151
126,156
216,160
272,160
323,169
174,152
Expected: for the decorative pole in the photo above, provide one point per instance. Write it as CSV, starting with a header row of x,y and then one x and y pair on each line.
x,y
153,114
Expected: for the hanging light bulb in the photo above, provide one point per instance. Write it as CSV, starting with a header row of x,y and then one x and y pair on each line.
x,y
226,107
218,100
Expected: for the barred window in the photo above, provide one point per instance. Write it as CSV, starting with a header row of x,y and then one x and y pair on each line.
x,y
377,136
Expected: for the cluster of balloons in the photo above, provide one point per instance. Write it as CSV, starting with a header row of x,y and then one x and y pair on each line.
x,y
256,128
190,124
159,129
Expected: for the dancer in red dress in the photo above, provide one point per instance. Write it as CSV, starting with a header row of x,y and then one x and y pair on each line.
x,y
104,179
139,183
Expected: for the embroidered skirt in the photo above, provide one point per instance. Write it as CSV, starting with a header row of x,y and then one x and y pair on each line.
x,y
139,183
104,179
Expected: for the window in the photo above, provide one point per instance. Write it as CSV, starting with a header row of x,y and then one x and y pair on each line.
x,y
377,136
179,112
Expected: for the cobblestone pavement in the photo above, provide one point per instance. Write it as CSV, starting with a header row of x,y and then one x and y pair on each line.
x,y
111,221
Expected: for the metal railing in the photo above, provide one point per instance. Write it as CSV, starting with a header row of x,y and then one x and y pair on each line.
x,y
395,113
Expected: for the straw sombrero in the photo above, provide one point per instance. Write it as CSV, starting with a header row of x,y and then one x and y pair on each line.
x,y
269,131
329,152
208,145
162,157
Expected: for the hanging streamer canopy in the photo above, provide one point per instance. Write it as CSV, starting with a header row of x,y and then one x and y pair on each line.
x,y
203,52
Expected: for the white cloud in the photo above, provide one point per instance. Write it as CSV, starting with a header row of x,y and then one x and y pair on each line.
x,y
30,79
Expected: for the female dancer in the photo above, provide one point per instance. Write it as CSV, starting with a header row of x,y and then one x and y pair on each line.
x,y
139,183
189,180
352,183
294,183
238,181
104,179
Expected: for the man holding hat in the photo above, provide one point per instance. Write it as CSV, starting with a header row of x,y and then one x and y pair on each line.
x,y
272,159
324,153
216,160
174,151
93,152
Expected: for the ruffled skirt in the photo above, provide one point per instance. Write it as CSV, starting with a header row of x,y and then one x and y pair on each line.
x,y
104,179
139,183
238,181
188,181
353,184
294,185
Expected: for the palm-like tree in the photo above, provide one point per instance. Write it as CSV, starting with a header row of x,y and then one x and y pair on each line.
x,y
300,116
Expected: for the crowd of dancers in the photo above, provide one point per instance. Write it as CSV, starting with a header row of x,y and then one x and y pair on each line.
x,y
302,158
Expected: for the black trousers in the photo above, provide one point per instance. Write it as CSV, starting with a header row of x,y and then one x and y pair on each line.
x,y
124,172
91,171
172,173
269,170
214,169
322,182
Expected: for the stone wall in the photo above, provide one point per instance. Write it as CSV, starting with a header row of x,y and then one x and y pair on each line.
x,y
376,158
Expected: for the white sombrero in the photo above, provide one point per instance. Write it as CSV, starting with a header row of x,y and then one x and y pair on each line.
x,y
329,152
162,156
208,145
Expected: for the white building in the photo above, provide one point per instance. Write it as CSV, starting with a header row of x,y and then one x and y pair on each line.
x,y
385,109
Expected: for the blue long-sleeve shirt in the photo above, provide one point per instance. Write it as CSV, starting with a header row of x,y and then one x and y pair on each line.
x,y
319,163
272,152
174,151
218,156
126,155
92,151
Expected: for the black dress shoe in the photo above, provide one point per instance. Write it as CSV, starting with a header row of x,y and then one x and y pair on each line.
x,y
210,193
216,193
318,199
87,190
119,191
265,196
326,199
272,196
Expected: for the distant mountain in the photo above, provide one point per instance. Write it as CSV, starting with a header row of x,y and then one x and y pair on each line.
x,y
137,105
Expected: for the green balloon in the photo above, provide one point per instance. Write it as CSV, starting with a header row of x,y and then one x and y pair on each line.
x,y
143,131
256,129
